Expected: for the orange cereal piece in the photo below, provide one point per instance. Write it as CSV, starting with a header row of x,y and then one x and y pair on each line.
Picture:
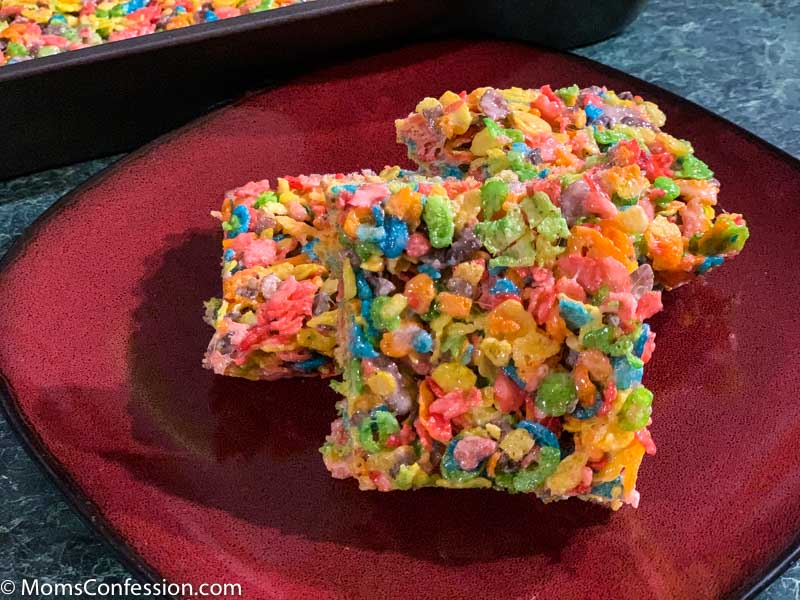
x,y
454,305
420,292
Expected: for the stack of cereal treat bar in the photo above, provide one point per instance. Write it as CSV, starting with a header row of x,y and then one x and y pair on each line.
x,y
489,319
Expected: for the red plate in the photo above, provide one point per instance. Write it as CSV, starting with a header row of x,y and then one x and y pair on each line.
x,y
198,478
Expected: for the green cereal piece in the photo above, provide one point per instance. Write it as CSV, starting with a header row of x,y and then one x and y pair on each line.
x,y
498,235
265,198
569,94
520,254
556,393
636,410
671,189
493,193
608,137
380,422
693,168
16,49
530,479
386,310
438,216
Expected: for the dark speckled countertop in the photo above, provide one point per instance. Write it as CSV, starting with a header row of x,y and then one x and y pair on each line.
x,y
738,58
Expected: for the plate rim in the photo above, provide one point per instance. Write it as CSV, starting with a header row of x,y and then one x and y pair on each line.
x,y
79,500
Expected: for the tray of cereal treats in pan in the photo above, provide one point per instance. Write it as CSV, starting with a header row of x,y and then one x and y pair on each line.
x,y
120,72
475,326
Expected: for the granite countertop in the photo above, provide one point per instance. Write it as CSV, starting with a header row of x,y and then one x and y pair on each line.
x,y
738,58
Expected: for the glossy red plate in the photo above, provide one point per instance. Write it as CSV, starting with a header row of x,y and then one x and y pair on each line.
x,y
198,478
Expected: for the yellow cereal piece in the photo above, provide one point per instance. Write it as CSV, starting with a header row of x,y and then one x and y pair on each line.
x,y
374,264
529,123
633,220
328,318
517,444
654,114
456,122
311,338
483,142
467,206
497,351
493,430
348,281
534,348
568,474
471,272
382,383
308,271
427,104
449,98
518,98
453,376
509,320
674,145
298,230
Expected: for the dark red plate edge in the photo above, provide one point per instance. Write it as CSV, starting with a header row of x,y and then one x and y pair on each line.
x,y
91,514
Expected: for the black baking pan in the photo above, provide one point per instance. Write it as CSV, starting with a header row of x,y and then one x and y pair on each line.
x,y
111,98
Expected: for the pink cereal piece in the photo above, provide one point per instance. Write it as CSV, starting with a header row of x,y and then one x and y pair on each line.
x,y
471,450
237,331
381,480
297,211
226,12
417,245
455,403
251,189
586,476
649,346
627,305
692,218
571,288
649,304
632,498
260,253
287,307
507,394
646,440
597,201
241,242
368,195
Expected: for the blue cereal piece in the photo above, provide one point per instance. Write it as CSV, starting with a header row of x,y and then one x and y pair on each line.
x,y
311,364
211,16
396,237
369,233
348,187
467,356
239,221
638,347
229,254
606,490
377,215
363,288
593,112
452,171
429,271
582,412
504,286
423,342
359,344
308,248
574,313
709,263
541,434
511,371
544,173
625,374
